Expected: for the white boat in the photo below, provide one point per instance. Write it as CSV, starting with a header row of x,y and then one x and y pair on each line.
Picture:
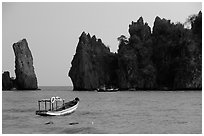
x,y
54,109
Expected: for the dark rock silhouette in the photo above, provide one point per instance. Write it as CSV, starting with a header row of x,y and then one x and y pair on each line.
x,y
134,58
169,58
92,65
176,55
25,75
139,29
7,82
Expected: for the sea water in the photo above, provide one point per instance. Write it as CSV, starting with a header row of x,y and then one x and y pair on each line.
x,y
135,112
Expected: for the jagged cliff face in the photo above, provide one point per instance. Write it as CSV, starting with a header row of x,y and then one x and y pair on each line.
x,y
176,55
162,57
91,65
169,58
25,75
134,58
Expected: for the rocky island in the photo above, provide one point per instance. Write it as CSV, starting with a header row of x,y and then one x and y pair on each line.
x,y
168,58
24,69
93,64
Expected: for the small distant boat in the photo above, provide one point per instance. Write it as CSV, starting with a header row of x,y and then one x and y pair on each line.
x,y
54,109
132,89
104,89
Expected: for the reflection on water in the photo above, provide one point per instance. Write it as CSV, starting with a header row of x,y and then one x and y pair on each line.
x,y
118,112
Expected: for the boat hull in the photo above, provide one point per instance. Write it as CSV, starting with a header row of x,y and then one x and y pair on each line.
x,y
58,113
107,90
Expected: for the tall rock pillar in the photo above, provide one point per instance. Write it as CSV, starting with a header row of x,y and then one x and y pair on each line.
x,y
25,74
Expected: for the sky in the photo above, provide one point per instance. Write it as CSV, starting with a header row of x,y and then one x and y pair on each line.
x,y
52,30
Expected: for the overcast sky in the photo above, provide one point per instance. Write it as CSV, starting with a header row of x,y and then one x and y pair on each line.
x,y
52,30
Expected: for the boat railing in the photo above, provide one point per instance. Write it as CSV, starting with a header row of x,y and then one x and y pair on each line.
x,y
52,102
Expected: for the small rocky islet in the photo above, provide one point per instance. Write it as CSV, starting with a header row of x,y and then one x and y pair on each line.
x,y
168,58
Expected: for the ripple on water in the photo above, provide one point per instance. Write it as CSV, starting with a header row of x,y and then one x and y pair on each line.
x,y
82,130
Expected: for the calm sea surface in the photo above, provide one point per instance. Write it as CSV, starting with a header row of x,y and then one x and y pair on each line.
x,y
105,112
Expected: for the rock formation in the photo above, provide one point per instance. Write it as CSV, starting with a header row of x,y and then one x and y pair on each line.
x,y
93,64
176,55
169,58
7,82
25,75
136,70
